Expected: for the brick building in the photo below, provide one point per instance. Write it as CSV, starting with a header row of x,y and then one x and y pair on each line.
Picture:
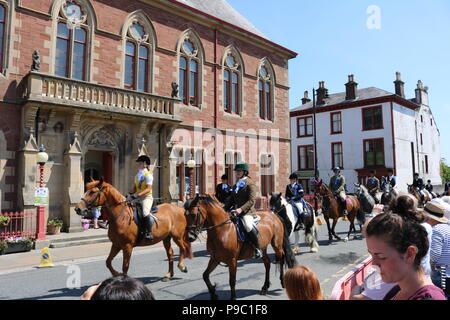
x,y
100,94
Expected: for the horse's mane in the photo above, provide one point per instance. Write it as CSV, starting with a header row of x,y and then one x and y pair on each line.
x,y
364,189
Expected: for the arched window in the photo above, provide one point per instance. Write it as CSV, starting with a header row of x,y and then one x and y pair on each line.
x,y
190,72
232,84
2,35
137,58
72,42
265,90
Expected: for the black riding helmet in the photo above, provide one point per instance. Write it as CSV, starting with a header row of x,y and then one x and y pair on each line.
x,y
293,176
224,177
145,159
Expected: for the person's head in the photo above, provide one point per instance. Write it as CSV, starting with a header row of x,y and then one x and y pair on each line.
x,y
372,173
429,181
397,246
435,213
241,169
143,162
224,178
293,178
337,171
406,207
301,283
122,288
390,172
416,176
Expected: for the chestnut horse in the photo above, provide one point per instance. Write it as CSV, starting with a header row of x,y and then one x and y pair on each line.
x,y
204,213
124,232
331,209
427,197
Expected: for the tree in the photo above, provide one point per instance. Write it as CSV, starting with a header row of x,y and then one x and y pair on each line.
x,y
445,171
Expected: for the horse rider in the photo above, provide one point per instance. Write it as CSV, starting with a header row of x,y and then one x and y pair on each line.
x,y
373,185
294,195
223,189
390,179
337,186
419,185
429,188
446,188
142,190
242,199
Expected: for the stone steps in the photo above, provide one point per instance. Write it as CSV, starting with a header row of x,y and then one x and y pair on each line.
x,y
64,240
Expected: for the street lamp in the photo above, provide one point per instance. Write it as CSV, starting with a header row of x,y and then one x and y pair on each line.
x,y
191,165
41,159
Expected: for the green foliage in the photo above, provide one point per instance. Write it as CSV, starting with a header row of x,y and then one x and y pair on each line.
x,y
445,171
3,245
4,220
55,222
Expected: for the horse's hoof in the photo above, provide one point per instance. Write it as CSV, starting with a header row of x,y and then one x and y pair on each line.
x,y
346,239
314,250
165,279
263,292
184,269
214,297
296,250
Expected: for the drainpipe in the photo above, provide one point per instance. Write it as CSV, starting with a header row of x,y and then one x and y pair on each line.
x,y
216,104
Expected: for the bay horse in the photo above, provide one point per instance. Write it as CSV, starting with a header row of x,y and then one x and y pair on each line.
x,y
427,197
124,232
204,213
284,210
331,209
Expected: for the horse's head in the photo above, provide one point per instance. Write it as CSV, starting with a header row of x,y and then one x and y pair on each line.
x,y
94,197
320,188
358,189
195,217
276,202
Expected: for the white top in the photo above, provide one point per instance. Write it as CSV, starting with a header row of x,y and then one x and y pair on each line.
x,y
426,260
374,287
148,178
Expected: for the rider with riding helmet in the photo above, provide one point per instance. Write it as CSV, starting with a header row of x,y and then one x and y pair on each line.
x,y
337,186
223,189
419,185
142,190
294,195
390,179
373,185
242,200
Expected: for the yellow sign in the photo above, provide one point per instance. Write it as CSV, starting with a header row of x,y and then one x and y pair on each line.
x,y
46,259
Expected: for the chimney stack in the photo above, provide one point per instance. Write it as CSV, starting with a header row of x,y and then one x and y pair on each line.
x,y
421,94
305,99
322,93
399,85
351,88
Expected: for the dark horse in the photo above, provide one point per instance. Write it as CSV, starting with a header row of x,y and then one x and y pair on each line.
x,y
331,210
284,210
124,232
422,200
204,213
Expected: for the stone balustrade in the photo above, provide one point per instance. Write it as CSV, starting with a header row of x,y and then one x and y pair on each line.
x,y
55,90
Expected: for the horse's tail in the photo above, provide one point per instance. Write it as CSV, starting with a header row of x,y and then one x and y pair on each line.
x,y
289,256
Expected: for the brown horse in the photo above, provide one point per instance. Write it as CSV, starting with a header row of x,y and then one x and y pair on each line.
x,y
331,209
417,195
124,232
204,213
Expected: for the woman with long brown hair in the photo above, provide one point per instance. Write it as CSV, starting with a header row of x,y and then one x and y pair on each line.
x,y
301,283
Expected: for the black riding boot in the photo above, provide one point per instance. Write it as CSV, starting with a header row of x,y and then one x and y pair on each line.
x,y
344,208
148,228
254,239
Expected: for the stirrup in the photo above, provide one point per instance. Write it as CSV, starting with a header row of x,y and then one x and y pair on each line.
x,y
148,236
258,253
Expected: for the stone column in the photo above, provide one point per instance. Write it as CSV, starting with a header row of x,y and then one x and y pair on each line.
x,y
73,186
169,167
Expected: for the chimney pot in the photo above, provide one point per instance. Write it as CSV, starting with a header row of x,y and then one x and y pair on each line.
x,y
351,88
399,85
306,99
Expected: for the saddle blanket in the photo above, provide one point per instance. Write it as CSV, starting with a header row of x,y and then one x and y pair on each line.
x,y
240,229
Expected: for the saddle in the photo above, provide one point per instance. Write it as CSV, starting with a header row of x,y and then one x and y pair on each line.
x,y
240,229
138,217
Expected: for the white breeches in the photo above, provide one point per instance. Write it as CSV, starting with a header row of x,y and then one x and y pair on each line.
x,y
248,222
147,203
299,206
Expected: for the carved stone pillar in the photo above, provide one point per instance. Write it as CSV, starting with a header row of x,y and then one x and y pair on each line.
x,y
168,166
73,186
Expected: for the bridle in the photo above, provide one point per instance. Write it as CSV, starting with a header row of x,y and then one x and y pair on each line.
x,y
198,227
91,205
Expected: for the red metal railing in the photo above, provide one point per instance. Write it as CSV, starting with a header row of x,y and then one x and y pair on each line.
x,y
21,224
343,288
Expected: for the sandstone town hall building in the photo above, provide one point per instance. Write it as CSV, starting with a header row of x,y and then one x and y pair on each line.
x,y
101,93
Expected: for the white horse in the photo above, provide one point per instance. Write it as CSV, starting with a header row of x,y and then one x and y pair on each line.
x,y
284,210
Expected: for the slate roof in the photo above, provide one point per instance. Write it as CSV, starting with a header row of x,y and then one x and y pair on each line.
x,y
339,98
222,10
